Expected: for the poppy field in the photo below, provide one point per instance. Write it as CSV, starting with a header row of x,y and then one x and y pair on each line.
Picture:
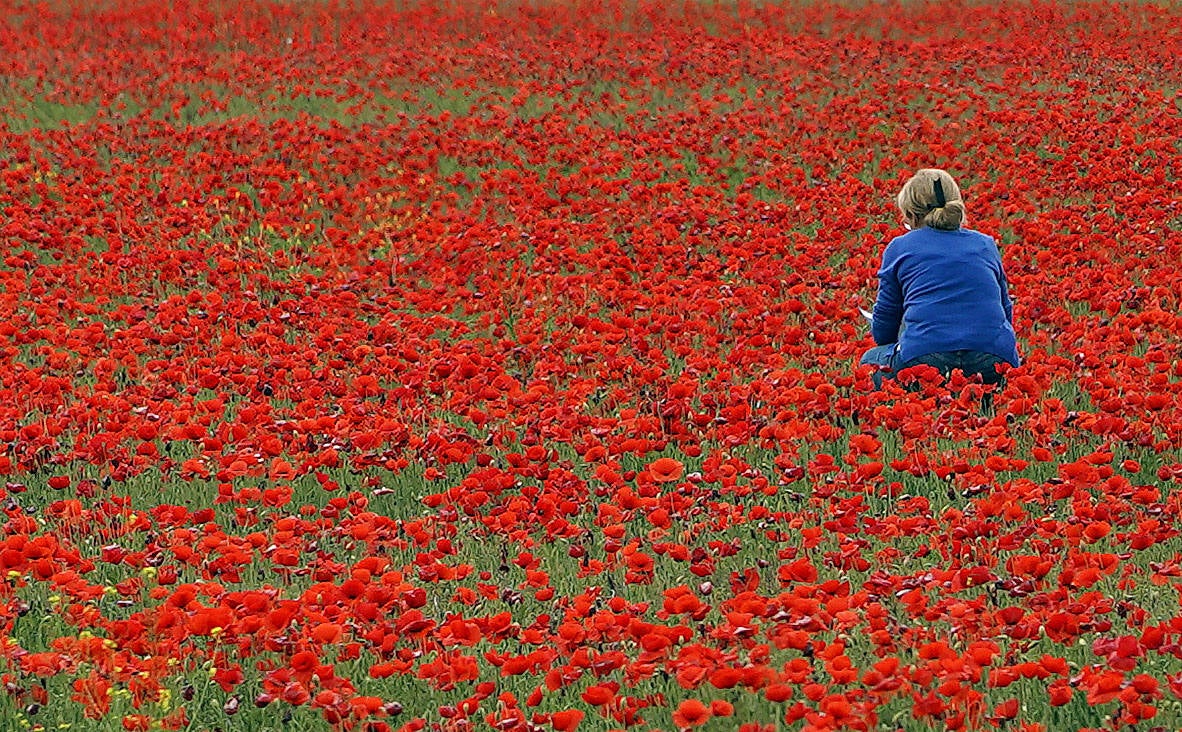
x,y
493,365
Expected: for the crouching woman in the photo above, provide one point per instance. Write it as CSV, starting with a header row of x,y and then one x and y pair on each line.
x,y
942,299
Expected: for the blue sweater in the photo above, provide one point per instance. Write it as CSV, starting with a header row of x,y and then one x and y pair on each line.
x,y
948,291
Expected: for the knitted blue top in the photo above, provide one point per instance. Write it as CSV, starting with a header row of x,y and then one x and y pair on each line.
x,y
948,291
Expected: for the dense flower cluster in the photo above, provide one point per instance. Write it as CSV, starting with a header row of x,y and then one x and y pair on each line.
x,y
455,365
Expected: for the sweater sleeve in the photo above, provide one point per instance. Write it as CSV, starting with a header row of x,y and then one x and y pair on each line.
x,y
1007,303
888,307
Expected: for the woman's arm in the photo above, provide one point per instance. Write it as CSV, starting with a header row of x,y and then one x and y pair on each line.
x,y
1007,303
888,308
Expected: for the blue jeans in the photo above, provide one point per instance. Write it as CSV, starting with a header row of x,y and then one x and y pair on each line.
x,y
970,363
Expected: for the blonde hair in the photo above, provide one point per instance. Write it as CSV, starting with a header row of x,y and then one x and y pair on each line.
x,y
919,200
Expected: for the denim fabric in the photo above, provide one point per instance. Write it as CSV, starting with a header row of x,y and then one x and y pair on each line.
x,y
970,363
884,358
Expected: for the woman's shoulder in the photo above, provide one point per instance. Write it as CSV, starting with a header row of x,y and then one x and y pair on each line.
x,y
897,245
977,235
914,241
926,236
934,240
970,238
988,245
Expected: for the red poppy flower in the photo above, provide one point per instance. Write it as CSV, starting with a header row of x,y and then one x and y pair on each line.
x,y
566,721
598,695
691,713
666,470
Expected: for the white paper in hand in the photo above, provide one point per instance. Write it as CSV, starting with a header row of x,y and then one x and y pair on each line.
x,y
868,314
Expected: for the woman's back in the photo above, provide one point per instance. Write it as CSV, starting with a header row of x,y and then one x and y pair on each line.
x,y
948,292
